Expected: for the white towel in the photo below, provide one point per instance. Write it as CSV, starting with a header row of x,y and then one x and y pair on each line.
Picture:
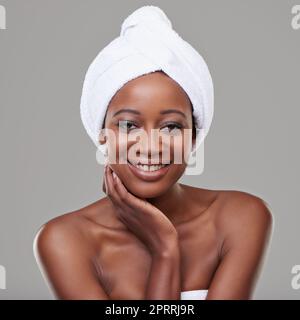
x,y
147,43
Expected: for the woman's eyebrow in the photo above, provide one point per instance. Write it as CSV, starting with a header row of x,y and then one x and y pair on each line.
x,y
162,112
126,110
173,111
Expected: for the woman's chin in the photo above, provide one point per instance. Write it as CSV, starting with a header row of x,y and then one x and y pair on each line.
x,y
146,192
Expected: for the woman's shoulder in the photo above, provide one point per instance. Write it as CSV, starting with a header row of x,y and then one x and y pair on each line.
x,y
76,229
243,215
227,202
237,203
233,210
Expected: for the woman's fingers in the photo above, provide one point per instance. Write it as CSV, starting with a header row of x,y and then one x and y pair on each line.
x,y
104,179
128,206
122,191
103,183
111,189
129,199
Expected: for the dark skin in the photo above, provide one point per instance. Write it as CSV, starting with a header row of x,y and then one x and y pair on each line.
x,y
152,240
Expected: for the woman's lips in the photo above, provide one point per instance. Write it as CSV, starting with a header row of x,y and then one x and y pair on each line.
x,y
148,175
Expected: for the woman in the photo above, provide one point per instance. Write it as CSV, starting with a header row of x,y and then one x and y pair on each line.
x,y
152,237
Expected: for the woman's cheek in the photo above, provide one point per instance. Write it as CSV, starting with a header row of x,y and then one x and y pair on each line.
x,y
180,152
118,151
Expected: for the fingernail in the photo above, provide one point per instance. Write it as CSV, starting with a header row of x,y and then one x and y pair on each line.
x,y
114,175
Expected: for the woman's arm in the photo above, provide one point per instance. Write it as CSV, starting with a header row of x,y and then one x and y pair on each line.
x,y
164,280
64,260
157,233
247,227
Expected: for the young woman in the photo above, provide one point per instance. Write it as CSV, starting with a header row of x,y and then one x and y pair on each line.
x,y
152,237
182,238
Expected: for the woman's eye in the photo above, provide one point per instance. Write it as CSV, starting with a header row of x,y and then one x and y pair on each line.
x,y
126,125
172,128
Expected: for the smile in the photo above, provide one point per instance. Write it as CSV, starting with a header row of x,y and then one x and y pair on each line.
x,y
146,167
149,172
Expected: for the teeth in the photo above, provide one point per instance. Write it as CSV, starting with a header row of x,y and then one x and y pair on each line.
x,y
149,167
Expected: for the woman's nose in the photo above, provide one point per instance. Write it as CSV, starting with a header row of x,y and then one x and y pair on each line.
x,y
154,146
145,143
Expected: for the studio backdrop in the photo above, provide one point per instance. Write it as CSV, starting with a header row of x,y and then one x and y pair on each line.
x,y
49,166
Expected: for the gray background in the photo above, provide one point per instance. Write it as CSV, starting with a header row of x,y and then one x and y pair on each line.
x,y
48,165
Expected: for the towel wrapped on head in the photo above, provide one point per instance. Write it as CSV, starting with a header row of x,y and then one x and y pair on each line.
x,y
147,43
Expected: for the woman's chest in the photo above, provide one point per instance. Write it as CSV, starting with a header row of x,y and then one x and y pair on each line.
x,y
125,263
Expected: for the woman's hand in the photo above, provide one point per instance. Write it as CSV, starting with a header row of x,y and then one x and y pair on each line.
x,y
143,219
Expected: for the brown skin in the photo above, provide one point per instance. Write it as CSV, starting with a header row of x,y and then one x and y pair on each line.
x,y
152,240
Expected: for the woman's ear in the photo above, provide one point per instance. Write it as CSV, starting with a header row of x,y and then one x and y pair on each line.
x,y
103,143
102,137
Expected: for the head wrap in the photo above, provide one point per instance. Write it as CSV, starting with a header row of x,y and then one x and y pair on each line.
x,y
147,43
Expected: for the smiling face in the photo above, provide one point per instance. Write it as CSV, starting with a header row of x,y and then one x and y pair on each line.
x,y
149,106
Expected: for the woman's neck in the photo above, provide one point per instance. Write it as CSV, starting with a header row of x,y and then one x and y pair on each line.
x,y
173,203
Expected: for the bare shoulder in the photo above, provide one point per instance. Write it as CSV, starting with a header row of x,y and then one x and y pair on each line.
x,y
59,235
78,229
239,205
65,250
241,215
232,208
63,233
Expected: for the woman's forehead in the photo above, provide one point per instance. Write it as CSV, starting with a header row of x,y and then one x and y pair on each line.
x,y
154,89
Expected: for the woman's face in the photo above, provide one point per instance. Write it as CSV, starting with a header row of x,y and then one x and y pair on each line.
x,y
147,118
